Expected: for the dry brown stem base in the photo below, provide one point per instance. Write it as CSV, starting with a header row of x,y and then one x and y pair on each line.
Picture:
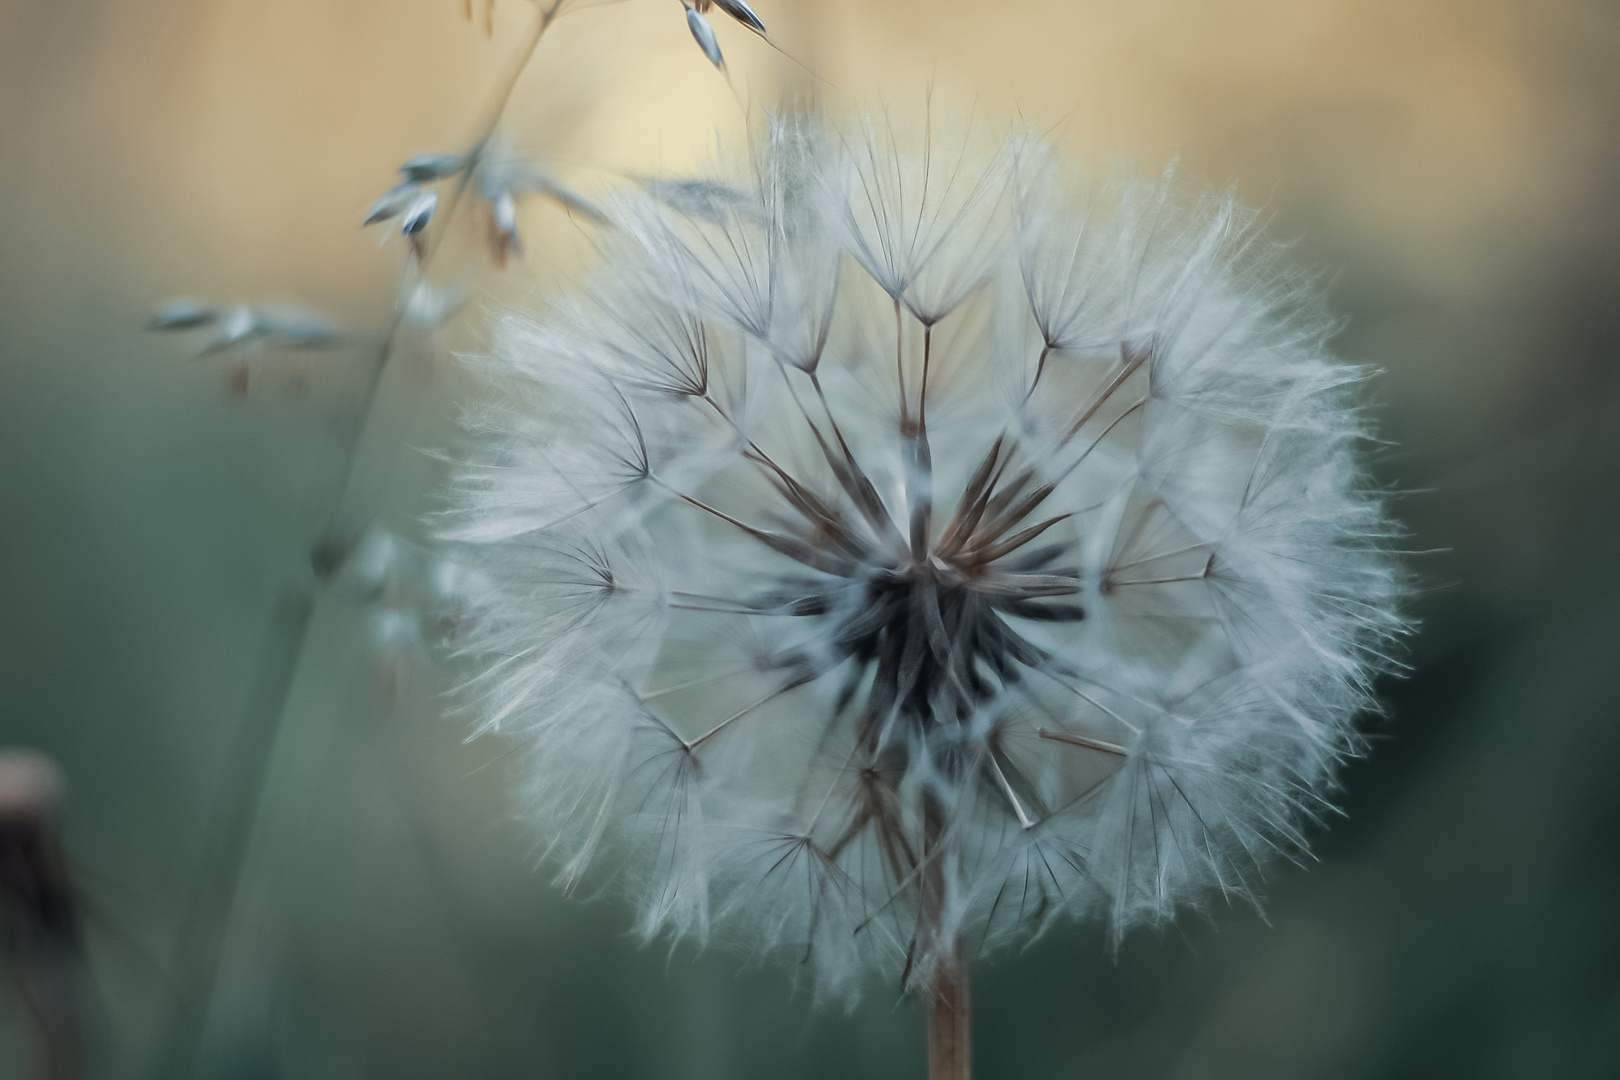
x,y
950,1044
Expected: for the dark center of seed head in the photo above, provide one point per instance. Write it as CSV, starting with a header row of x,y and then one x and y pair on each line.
x,y
940,635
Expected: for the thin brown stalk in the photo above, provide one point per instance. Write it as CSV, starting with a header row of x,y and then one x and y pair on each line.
x,y
950,1044
950,1048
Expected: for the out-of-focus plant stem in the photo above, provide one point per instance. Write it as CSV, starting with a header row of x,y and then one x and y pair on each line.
x,y
242,781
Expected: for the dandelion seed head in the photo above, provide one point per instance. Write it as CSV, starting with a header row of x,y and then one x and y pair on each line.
x,y
897,550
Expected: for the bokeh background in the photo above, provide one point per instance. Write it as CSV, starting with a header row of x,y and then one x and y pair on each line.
x,y
1449,167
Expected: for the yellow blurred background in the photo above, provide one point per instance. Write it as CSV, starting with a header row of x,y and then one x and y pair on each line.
x,y
1448,168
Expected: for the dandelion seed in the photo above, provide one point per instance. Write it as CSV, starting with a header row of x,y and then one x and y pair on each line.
x,y
903,551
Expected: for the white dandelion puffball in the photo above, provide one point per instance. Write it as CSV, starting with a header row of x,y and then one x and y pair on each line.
x,y
887,555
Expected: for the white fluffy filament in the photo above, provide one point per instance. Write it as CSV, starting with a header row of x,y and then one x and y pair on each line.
x,y
903,549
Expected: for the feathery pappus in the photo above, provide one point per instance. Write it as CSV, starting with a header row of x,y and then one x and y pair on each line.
x,y
897,550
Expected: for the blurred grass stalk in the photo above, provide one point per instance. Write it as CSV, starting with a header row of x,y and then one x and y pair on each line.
x,y
242,783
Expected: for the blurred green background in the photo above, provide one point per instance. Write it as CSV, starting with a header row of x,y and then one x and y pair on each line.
x,y
1450,167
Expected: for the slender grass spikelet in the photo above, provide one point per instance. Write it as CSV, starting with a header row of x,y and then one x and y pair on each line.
x,y
898,550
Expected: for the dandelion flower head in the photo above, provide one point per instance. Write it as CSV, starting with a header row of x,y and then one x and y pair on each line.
x,y
904,548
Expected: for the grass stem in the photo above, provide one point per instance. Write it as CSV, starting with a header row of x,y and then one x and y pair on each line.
x,y
243,780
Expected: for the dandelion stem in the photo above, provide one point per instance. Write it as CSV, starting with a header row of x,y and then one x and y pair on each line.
x,y
950,1049
950,1054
